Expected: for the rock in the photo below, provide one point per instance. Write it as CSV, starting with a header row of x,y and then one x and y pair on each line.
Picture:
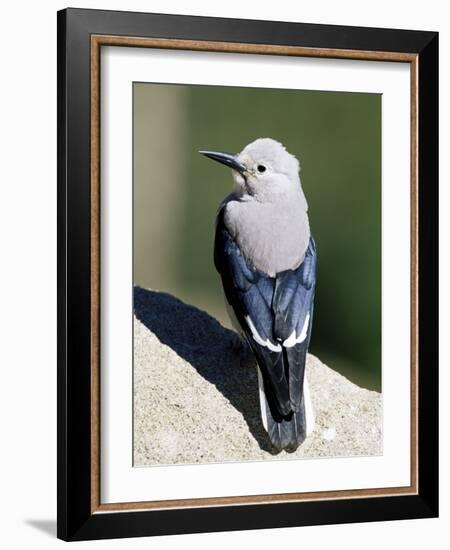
x,y
195,403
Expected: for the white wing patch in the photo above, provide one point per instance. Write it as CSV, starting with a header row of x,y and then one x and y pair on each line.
x,y
293,339
266,343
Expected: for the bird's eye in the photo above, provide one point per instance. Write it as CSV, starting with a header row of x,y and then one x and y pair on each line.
x,y
261,168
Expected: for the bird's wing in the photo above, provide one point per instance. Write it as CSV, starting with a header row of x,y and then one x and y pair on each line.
x,y
272,313
293,305
275,314
250,294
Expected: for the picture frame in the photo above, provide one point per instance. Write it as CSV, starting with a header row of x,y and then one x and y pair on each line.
x,y
81,36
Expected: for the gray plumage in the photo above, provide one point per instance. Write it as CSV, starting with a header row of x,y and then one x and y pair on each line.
x,y
266,257
267,213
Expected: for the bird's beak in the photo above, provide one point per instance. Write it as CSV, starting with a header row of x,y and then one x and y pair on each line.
x,y
229,159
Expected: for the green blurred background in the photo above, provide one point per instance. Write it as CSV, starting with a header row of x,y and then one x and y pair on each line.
x,y
336,137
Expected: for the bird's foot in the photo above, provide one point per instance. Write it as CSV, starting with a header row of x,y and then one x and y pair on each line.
x,y
243,351
247,357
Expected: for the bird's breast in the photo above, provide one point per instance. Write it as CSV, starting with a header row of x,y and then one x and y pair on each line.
x,y
273,238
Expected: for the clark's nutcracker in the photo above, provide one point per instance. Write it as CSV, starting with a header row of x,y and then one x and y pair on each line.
x,y
266,257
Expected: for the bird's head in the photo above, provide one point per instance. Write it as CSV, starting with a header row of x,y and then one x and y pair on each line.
x,y
264,169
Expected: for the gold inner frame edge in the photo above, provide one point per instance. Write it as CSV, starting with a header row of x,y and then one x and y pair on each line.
x,y
97,41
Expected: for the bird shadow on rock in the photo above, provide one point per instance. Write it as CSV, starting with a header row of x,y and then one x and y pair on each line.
x,y
210,348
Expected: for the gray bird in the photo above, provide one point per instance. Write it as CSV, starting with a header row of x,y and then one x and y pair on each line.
x,y
266,257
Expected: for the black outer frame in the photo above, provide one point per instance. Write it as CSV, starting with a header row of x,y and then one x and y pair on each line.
x,y
75,521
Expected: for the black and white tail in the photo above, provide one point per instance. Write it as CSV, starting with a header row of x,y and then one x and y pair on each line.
x,y
287,432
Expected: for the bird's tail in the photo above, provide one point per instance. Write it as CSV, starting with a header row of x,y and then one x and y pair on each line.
x,y
289,431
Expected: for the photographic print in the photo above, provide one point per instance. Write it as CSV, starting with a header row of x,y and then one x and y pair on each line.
x,y
247,258
256,273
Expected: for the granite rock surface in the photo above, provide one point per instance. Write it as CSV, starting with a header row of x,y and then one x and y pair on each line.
x,y
196,402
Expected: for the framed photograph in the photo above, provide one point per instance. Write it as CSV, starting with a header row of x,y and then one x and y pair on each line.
x,y
247,256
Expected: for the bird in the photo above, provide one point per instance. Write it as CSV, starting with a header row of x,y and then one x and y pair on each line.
x,y
266,257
